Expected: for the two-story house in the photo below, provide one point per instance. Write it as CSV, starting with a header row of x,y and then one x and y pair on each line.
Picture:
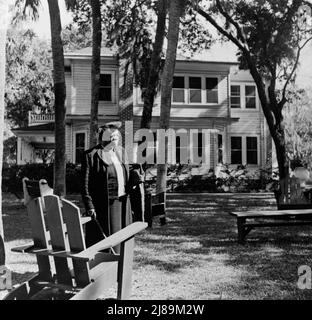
x,y
210,94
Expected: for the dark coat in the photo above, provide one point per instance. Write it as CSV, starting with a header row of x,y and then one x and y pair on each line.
x,y
95,192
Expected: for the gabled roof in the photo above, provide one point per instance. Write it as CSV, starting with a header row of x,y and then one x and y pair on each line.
x,y
87,52
217,53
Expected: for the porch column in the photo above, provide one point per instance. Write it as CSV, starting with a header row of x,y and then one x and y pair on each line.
x,y
19,151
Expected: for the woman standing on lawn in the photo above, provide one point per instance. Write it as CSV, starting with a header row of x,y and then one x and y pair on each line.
x,y
107,184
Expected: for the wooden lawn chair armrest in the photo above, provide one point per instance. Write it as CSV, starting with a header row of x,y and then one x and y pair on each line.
x,y
24,248
113,240
85,220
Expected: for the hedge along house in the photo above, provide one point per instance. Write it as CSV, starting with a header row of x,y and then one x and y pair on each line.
x,y
209,93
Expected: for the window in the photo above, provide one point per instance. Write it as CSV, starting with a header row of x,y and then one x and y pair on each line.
x,y
235,97
190,89
220,148
182,151
250,96
212,90
178,94
151,156
236,150
244,150
106,88
80,146
195,90
178,150
200,144
252,150
67,68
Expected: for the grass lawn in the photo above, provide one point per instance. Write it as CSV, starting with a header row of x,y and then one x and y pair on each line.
x,y
196,255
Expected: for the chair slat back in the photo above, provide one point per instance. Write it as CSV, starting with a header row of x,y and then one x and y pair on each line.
x,y
40,236
71,215
57,234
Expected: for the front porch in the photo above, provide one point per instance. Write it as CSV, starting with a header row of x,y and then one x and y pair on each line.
x,y
35,144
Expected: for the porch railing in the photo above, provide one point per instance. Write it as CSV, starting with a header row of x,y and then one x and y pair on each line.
x,y
34,118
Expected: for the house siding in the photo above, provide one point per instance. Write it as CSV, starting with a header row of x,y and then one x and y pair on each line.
x,y
69,143
81,89
251,122
128,106
195,110
69,83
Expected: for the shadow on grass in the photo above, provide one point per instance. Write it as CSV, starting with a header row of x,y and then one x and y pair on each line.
x,y
201,239
201,232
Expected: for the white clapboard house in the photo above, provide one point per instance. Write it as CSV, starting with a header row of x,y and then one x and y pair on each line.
x,y
209,92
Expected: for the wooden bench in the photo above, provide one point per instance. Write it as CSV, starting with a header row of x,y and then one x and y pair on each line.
x,y
294,217
66,268
154,209
294,208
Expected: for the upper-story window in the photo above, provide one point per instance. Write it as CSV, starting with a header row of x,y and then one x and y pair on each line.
x,y
235,97
106,88
212,90
178,90
243,96
250,95
195,90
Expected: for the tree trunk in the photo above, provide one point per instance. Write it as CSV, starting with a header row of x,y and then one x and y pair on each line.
x,y
175,12
278,136
155,68
96,69
3,30
274,117
60,96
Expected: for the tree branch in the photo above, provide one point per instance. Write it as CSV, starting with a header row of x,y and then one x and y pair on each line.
x,y
284,100
288,16
240,34
138,4
251,64
220,29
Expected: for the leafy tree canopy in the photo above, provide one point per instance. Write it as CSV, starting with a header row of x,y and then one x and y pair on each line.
x,y
272,33
29,84
270,36
28,76
75,38
130,27
298,124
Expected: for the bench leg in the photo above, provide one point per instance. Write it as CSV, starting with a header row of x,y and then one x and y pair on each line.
x,y
241,230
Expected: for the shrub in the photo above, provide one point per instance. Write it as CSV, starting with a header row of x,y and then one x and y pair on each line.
x,y
12,176
228,179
